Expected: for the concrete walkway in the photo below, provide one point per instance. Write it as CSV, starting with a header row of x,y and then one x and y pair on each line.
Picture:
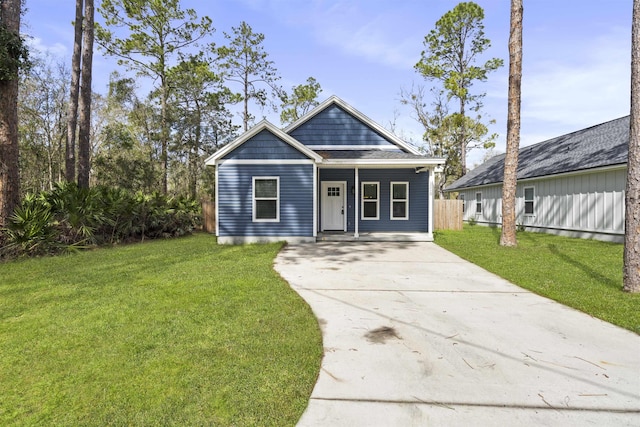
x,y
415,336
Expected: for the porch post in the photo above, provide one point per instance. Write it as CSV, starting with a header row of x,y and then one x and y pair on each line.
x,y
315,200
356,204
431,199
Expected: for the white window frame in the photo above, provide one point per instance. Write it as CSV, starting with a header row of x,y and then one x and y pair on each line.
x,y
392,200
464,202
363,200
254,199
479,203
532,201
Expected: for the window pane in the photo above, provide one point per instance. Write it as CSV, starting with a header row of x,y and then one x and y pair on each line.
x,y
266,209
266,188
370,191
528,208
370,210
528,193
399,209
400,191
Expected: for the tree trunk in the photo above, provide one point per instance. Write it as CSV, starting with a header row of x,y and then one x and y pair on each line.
x,y
165,135
72,116
84,131
508,235
9,172
632,199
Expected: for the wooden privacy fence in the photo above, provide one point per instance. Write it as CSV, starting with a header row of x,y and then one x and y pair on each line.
x,y
209,216
447,214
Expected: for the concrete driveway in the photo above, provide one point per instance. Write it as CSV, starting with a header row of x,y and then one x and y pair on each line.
x,y
415,336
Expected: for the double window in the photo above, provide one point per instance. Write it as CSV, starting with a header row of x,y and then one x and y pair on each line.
x,y
478,203
266,199
399,200
370,206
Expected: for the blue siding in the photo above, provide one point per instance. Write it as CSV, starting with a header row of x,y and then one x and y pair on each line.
x,y
418,198
334,126
265,145
235,214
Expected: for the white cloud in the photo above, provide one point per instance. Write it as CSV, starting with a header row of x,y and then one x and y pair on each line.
x,y
589,87
56,49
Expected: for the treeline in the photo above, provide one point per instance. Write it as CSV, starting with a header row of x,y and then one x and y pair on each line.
x,y
156,141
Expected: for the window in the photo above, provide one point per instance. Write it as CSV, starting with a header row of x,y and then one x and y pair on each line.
x,y
399,200
266,199
528,200
464,204
478,203
370,198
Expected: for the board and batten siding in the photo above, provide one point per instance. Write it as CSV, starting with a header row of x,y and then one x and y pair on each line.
x,y
336,127
235,206
580,205
418,198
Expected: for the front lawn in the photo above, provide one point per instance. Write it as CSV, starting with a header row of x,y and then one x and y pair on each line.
x,y
583,274
172,332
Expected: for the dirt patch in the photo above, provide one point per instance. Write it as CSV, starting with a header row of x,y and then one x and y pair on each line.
x,y
382,334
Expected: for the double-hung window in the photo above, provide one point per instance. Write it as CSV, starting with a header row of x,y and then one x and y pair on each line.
x,y
399,200
370,206
478,203
529,194
266,199
464,203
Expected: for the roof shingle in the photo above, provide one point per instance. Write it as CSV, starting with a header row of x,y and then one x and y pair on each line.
x,y
606,144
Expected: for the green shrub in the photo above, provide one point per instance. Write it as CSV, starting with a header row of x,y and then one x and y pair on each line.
x,y
68,218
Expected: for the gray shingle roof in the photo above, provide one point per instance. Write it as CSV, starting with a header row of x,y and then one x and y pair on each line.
x,y
368,154
606,144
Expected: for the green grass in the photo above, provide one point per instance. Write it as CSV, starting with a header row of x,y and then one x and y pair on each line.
x,y
173,332
583,274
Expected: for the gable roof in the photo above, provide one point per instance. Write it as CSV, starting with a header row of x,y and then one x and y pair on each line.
x,y
603,145
263,125
334,100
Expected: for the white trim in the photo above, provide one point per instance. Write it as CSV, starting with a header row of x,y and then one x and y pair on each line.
x,y
431,197
254,199
391,200
263,125
323,187
216,198
543,177
354,147
362,200
239,240
381,163
357,114
478,201
315,200
265,162
356,203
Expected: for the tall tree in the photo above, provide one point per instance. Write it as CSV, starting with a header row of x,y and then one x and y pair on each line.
x,y
509,184
302,99
72,123
246,63
84,130
157,31
632,194
452,49
13,55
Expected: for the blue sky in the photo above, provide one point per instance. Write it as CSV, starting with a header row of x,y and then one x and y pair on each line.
x,y
576,64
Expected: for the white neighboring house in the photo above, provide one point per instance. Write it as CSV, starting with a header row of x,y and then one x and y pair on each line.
x,y
572,185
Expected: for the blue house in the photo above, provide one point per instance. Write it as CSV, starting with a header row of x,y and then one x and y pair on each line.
x,y
333,174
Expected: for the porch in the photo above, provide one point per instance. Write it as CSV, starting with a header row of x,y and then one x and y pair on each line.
x,y
339,236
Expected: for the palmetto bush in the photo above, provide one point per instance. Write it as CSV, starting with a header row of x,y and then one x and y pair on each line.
x,y
69,218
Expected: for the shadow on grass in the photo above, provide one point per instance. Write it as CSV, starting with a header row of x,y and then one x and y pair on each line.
x,y
600,278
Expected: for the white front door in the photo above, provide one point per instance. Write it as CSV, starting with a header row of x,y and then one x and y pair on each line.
x,y
334,200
